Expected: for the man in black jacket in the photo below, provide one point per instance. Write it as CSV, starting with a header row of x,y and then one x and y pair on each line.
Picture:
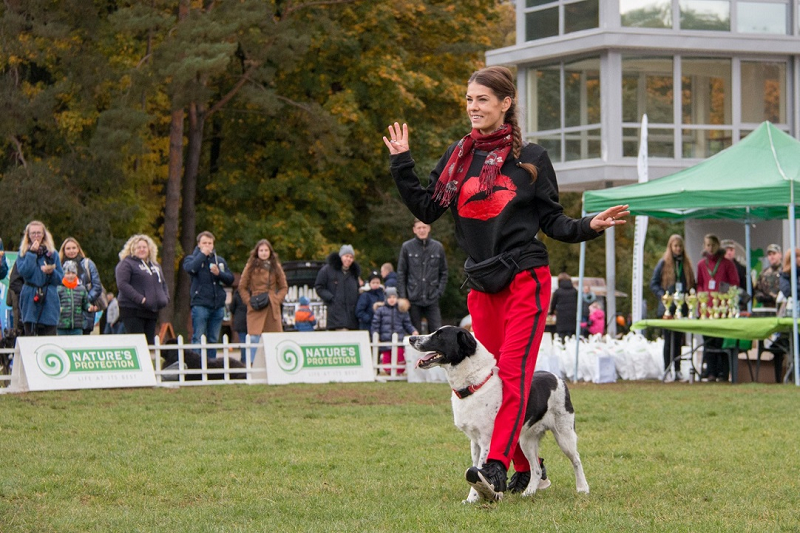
x,y
337,285
422,276
209,273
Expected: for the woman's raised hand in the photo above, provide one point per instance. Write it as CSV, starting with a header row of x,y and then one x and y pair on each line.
x,y
397,142
612,216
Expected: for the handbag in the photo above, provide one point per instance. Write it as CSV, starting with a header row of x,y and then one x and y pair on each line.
x,y
494,274
259,301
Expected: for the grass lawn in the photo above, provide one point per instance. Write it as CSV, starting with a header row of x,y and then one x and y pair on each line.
x,y
386,457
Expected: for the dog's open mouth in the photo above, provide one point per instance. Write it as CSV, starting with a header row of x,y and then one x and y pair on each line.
x,y
429,359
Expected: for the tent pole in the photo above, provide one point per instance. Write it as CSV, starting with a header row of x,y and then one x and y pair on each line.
x,y
747,260
579,312
793,264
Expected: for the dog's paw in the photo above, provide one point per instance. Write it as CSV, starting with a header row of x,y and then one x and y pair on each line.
x,y
584,489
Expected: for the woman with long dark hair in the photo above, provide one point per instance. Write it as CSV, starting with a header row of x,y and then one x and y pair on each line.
x,y
673,273
263,274
501,192
88,276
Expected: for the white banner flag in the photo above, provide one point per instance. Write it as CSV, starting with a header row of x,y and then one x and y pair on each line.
x,y
639,234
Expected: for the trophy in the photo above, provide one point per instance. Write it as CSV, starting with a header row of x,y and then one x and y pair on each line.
x,y
714,304
678,299
666,299
703,299
691,303
733,298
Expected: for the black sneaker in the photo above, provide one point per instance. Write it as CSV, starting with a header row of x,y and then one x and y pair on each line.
x,y
489,481
519,482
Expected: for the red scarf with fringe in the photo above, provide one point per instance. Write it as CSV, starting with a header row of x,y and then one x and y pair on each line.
x,y
498,144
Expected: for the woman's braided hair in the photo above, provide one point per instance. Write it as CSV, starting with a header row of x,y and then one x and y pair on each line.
x,y
500,81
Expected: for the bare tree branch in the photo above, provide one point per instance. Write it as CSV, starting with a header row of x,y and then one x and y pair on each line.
x,y
20,155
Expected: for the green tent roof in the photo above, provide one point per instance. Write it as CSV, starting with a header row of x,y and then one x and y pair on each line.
x,y
753,179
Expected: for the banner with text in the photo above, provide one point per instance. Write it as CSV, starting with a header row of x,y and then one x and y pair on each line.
x,y
81,362
317,357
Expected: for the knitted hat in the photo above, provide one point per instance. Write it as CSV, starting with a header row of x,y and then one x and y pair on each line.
x,y
773,248
390,291
70,266
727,243
347,249
374,275
303,300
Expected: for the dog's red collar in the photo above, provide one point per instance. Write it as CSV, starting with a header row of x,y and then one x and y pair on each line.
x,y
469,391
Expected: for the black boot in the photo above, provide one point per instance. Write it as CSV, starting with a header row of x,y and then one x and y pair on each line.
x,y
489,481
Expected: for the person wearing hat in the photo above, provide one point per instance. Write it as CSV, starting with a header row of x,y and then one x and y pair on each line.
x,y
304,319
372,294
74,300
768,283
337,285
392,317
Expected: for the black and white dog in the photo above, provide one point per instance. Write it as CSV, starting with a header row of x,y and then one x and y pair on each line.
x,y
477,393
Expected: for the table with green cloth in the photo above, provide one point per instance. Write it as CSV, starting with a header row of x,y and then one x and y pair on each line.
x,y
726,328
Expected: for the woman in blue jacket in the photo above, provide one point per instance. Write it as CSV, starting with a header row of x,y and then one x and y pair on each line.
x,y
40,268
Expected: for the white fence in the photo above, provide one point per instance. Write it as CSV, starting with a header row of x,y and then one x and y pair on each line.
x,y
225,368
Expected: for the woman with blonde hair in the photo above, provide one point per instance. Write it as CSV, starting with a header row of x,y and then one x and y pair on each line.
x,y
673,273
142,288
40,268
263,274
88,276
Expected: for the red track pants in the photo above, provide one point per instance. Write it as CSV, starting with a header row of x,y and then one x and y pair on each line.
x,y
510,324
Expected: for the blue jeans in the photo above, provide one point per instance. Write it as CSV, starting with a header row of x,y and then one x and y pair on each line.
x,y
207,321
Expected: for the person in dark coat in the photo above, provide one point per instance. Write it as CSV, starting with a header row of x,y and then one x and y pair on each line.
x,y
238,311
392,317
337,286
389,275
367,300
142,287
565,306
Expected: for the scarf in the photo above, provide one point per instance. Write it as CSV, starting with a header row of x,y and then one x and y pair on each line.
x,y
70,284
498,144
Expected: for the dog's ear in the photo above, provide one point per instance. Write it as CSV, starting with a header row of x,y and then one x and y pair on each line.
x,y
466,343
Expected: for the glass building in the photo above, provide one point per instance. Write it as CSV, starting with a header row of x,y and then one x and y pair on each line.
x,y
706,73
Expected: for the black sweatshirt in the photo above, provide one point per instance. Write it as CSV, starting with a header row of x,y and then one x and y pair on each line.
x,y
509,219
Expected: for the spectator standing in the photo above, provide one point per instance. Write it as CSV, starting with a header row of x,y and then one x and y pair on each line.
x,y
565,306
88,276
730,254
713,271
392,317
304,319
587,299
142,288
40,269
501,192
422,276
210,274
786,278
113,323
263,273
673,273
389,275
3,262
366,302
768,283
337,285
597,319
15,284
74,300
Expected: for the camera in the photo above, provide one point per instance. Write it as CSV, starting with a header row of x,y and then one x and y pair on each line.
x,y
42,250
38,296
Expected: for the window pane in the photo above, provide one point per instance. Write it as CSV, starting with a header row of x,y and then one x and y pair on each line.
x,y
544,99
705,15
761,17
551,143
534,3
705,143
647,87
581,16
583,145
541,24
660,142
582,92
646,13
706,91
763,92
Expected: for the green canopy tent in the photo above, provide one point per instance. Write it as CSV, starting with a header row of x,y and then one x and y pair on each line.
x,y
755,179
